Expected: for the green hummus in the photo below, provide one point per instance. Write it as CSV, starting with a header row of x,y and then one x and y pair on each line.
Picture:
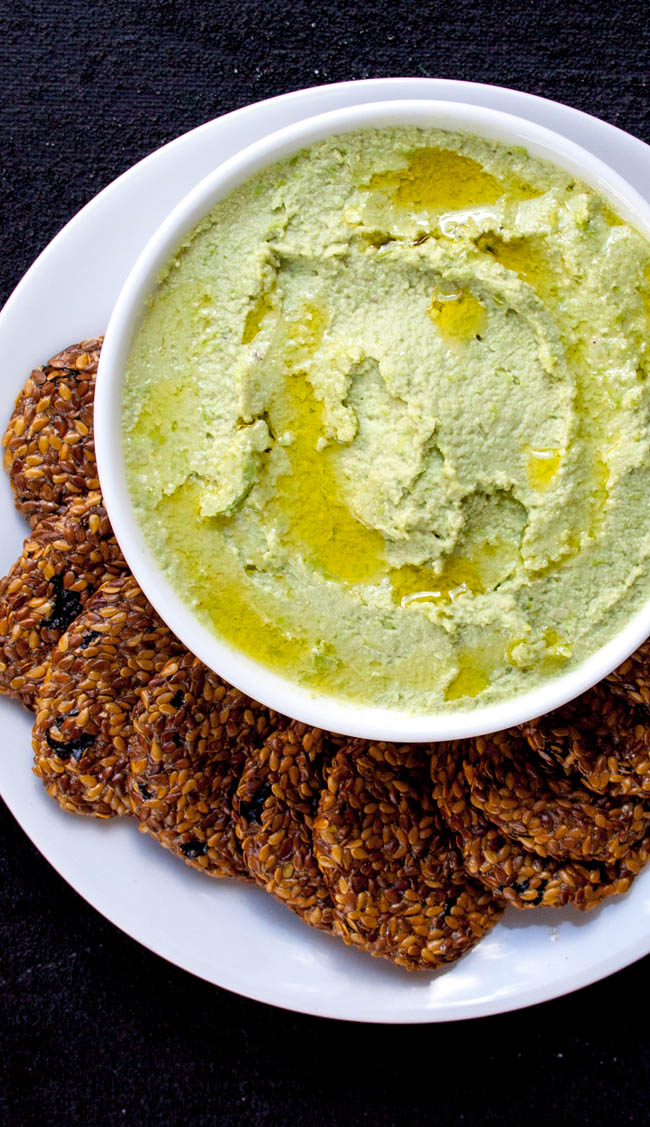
x,y
386,419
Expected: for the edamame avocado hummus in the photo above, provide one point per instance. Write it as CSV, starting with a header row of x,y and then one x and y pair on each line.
x,y
386,419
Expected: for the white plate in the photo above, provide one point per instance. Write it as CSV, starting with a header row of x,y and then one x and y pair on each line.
x,y
229,934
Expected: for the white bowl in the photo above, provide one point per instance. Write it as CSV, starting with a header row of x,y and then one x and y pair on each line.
x,y
250,676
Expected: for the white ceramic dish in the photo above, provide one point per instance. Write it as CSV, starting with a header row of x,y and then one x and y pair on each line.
x,y
250,676
231,935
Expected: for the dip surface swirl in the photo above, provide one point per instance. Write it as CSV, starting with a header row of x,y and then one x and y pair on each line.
x,y
386,419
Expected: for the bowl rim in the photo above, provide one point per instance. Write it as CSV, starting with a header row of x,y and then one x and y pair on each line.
x,y
250,676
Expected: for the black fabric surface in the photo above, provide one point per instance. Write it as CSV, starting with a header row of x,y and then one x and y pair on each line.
x,y
95,1030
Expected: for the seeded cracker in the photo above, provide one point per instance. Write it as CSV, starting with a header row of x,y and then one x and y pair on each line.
x,y
275,806
193,733
49,450
83,720
546,811
397,881
62,563
523,878
632,679
603,736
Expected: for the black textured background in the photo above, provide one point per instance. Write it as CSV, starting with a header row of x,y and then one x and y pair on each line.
x,y
94,1030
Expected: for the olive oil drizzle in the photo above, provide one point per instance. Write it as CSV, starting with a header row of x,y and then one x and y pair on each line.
x,y
458,316
440,180
542,466
316,520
